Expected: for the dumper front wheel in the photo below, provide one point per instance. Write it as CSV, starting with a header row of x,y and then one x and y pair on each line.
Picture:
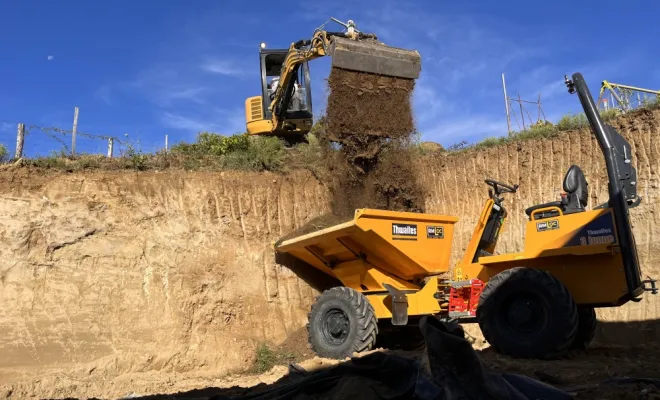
x,y
527,313
341,322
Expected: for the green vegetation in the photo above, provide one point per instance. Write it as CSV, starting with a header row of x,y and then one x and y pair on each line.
x,y
545,129
266,358
209,151
212,151
4,154
240,152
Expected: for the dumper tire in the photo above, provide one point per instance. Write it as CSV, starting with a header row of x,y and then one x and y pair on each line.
x,y
527,313
341,322
586,330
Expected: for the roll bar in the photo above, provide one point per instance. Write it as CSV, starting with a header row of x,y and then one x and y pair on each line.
x,y
622,182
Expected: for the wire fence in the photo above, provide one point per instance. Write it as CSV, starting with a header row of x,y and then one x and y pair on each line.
x,y
21,140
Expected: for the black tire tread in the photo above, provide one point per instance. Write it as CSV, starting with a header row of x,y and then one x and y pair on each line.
x,y
558,292
586,330
364,313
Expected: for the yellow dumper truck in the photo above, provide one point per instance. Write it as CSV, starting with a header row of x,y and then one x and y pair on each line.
x,y
538,303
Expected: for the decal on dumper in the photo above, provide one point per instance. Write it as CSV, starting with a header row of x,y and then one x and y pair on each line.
x,y
598,231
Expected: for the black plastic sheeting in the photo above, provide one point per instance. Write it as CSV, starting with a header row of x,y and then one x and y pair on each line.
x,y
454,372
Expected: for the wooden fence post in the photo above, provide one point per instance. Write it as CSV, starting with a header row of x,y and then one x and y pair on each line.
x,y
73,132
166,144
110,145
20,141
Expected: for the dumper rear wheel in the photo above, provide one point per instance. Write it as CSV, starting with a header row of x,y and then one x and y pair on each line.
x,y
341,322
527,313
586,328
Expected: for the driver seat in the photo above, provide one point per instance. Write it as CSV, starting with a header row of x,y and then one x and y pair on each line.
x,y
574,200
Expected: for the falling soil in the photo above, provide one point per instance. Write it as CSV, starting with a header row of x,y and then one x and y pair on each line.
x,y
367,133
366,111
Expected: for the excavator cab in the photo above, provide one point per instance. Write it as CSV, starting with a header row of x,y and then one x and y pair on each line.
x,y
297,98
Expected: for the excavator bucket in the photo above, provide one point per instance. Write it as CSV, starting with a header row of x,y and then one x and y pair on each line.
x,y
373,57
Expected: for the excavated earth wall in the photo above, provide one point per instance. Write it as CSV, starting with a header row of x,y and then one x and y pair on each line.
x,y
113,278
105,274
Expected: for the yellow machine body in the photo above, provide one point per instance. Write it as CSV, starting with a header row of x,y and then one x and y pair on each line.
x,y
377,245
589,266
366,253
257,124
382,247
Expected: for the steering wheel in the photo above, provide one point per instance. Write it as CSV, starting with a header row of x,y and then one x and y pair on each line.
x,y
497,185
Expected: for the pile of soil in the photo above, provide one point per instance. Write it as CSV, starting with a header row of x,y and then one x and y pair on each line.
x,y
316,224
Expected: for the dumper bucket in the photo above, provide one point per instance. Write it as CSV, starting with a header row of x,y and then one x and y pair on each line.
x,y
373,57
406,245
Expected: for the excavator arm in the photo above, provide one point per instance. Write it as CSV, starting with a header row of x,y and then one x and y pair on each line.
x,y
299,52
351,49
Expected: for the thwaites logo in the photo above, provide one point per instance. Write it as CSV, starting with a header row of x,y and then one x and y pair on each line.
x,y
547,225
435,232
404,231
597,236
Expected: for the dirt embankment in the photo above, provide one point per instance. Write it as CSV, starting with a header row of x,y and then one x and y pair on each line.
x,y
112,277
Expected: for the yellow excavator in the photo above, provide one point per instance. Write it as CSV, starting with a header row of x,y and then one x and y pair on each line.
x,y
284,108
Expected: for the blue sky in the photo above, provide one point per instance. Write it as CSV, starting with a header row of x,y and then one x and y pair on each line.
x,y
149,68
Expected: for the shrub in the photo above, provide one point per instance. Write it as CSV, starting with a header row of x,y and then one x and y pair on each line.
x,y
49,162
266,358
310,153
239,151
569,122
537,131
4,154
491,141
214,144
608,115
260,154
136,159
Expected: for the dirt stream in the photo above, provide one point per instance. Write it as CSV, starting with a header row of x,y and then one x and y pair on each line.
x,y
370,118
